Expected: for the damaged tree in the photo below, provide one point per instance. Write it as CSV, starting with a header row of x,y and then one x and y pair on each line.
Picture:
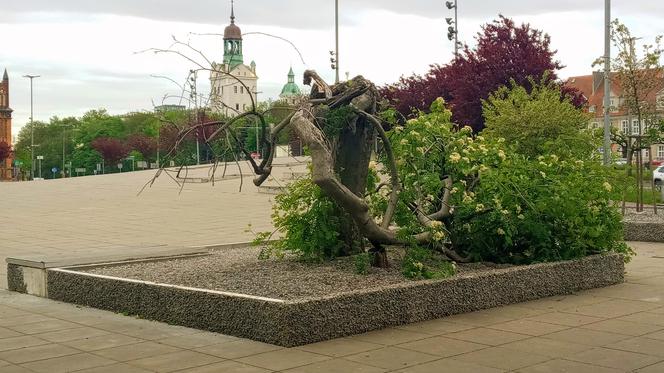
x,y
340,126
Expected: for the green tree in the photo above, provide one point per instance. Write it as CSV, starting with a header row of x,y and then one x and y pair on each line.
x,y
538,122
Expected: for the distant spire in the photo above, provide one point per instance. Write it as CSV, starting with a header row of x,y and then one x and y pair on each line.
x,y
232,13
291,76
5,76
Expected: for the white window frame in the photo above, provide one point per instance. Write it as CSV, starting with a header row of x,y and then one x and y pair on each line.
x,y
635,126
624,126
660,151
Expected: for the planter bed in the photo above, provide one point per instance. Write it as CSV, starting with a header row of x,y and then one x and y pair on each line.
x,y
644,226
290,304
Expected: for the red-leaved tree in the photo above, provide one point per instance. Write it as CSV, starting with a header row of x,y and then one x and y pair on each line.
x,y
504,51
112,150
143,144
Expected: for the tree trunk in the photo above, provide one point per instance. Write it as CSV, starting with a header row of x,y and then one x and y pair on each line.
x,y
353,154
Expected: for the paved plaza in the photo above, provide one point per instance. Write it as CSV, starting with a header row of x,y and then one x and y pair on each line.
x,y
616,329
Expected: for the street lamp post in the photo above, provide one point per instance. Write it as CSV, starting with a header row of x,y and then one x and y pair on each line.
x,y
453,31
607,82
32,128
336,38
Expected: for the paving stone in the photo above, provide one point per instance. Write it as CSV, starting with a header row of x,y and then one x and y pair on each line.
x,y
623,327
562,302
450,365
14,343
238,348
559,365
191,341
502,358
174,361
655,368
225,367
548,347
283,359
586,336
340,347
390,336
610,358
480,318
15,369
567,319
72,334
528,327
443,347
105,341
656,335
645,318
136,351
487,336
68,363
43,326
8,333
612,308
435,327
116,368
391,358
641,345
41,352
24,319
336,366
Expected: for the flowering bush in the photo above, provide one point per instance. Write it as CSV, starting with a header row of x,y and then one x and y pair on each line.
x,y
506,208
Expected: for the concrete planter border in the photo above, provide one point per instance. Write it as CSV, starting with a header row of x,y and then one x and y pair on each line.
x,y
294,323
644,232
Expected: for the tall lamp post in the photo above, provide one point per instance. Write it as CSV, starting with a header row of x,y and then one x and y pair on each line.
x,y
607,82
32,128
453,26
336,38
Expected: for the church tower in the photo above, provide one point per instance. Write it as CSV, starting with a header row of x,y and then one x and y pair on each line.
x,y
233,43
5,122
290,93
233,83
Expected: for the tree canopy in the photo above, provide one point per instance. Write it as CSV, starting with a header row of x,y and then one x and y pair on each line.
x,y
505,52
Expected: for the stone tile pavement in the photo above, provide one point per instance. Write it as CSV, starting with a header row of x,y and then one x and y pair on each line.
x,y
104,215
616,329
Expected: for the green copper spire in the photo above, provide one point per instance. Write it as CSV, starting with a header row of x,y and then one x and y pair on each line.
x,y
233,42
290,89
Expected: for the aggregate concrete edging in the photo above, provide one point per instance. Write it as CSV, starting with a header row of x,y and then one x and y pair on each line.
x,y
644,232
294,323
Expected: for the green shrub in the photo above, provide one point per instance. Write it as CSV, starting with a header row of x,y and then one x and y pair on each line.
x,y
508,207
423,264
304,217
362,263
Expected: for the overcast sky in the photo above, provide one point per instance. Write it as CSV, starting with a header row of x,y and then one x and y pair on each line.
x,y
85,50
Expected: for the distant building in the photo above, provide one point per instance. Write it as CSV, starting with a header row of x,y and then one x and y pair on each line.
x,y
291,92
592,88
233,83
5,123
165,108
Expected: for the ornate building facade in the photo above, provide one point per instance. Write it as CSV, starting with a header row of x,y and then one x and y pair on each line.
x,y
5,123
233,83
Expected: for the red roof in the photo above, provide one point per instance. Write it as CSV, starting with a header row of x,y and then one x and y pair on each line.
x,y
592,87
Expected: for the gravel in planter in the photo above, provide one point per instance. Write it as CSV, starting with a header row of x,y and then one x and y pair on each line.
x,y
240,271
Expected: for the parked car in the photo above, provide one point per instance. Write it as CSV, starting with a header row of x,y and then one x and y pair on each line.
x,y
658,175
